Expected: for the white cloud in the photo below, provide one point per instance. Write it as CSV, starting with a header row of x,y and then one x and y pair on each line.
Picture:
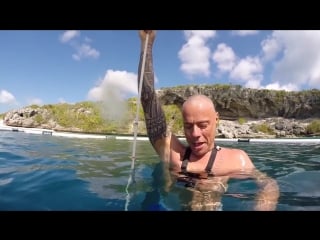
x,y
36,101
7,97
112,91
61,100
195,55
121,82
85,51
270,48
248,70
293,57
203,34
300,62
277,86
244,32
225,57
68,35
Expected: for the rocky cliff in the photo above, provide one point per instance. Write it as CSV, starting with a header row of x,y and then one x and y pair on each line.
x,y
244,112
233,101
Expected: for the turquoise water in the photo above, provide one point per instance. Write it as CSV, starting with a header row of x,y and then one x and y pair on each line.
x,y
43,172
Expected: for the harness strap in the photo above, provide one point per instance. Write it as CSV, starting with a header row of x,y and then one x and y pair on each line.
x,y
185,160
211,160
209,164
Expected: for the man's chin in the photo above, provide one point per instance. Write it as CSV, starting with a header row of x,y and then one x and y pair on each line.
x,y
199,152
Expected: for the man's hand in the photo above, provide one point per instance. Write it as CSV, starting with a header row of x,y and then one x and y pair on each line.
x,y
143,36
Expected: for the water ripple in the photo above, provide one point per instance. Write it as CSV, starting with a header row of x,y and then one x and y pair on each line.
x,y
39,172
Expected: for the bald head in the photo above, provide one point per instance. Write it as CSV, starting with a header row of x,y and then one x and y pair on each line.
x,y
198,101
199,121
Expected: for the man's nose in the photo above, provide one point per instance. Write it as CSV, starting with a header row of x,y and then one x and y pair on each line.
x,y
196,131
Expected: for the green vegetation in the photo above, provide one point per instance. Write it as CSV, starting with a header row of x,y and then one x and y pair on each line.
x,y
39,119
90,117
242,120
313,127
280,95
264,128
222,86
132,107
84,116
33,106
173,118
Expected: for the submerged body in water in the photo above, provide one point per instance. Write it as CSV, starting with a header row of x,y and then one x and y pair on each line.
x,y
205,190
176,190
204,193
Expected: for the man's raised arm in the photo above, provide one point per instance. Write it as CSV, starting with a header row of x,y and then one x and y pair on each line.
x,y
153,113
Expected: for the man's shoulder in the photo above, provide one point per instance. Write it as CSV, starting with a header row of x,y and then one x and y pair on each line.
x,y
235,153
235,158
232,150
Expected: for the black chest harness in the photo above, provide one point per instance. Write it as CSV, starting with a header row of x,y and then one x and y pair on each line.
x,y
208,168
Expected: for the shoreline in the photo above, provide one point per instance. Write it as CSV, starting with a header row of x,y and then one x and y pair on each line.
x,y
41,131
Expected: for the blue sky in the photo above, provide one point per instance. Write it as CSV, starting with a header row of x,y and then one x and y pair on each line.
x,y
51,66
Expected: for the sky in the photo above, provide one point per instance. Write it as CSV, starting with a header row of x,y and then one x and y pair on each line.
x,y
69,66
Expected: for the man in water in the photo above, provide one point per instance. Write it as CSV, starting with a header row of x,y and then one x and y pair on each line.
x,y
202,166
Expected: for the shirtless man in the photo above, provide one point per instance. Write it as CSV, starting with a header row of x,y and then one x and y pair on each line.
x,y
202,165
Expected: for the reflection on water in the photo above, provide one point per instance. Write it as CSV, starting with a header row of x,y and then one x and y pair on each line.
x,y
41,172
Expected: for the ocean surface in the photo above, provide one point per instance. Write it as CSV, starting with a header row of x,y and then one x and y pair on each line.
x,y
51,173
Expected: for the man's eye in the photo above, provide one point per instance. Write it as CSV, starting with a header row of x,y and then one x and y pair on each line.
x,y
202,126
187,126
